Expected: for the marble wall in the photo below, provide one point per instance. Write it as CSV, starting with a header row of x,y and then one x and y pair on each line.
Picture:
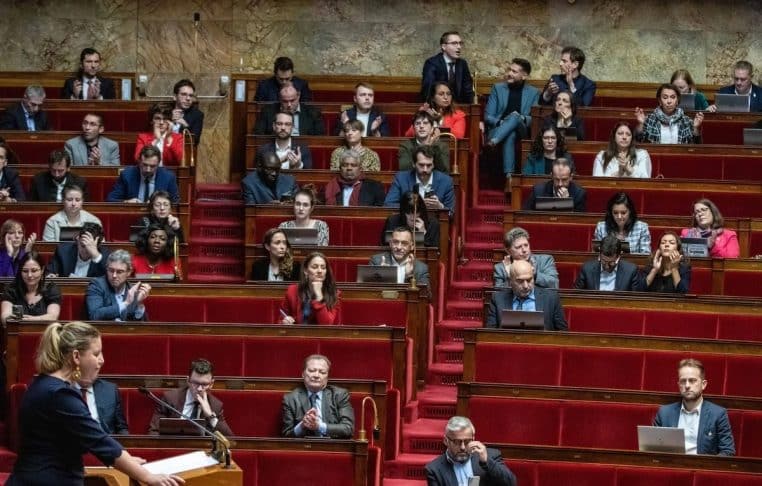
x,y
633,41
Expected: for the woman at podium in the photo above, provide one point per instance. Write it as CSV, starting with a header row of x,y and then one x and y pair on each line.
x,y
55,423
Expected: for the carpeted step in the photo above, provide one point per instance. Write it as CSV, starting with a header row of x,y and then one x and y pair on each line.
x,y
444,374
218,270
403,482
7,460
493,199
211,248
226,230
218,210
410,466
452,330
485,216
211,192
437,402
424,436
463,310
481,252
486,234
450,352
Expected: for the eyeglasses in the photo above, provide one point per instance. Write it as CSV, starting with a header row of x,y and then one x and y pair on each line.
x,y
200,384
456,43
698,211
459,442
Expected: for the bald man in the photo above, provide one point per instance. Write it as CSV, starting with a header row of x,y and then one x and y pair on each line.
x,y
307,119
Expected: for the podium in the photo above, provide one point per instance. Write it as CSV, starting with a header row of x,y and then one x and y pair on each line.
x,y
216,475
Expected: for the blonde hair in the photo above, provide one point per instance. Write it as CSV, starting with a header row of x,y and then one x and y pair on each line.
x,y
59,341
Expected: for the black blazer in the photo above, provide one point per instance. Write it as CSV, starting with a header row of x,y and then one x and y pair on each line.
x,y
439,472
545,189
14,119
431,238
64,261
195,119
310,120
268,89
383,128
435,69
12,182
260,270
44,188
107,89
546,300
627,277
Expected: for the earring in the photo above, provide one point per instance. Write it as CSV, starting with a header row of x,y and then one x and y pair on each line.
x,y
77,374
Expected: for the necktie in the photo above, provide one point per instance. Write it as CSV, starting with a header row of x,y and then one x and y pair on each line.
x,y
146,189
195,411
313,400
451,71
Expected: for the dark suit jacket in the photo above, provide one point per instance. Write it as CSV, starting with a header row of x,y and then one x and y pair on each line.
x,y
310,120
756,95
715,435
44,188
394,221
65,260
405,180
12,182
371,194
435,69
260,269
545,189
335,410
176,398
627,276
107,89
268,89
195,119
127,186
383,128
14,119
546,300
256,192
101,305
584,94
303,149
420,269
109,405
440,472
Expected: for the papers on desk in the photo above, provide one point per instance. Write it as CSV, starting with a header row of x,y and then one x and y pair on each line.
x,y
181,463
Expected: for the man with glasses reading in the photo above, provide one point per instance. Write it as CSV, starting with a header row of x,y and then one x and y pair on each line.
x,y
194,400
609,271
449,67
111,297
467,458
136,184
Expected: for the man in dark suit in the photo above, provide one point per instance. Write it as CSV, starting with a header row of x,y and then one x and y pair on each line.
x,y
136,183
743,74
87,85
194,400
434,186
571,79
524,295
10,183
283,70
372,118
706,425
350,187
27,114
111,298
185,114
267,184
609,271
48,186
318,409
292,153
105,405
307,119
449,67
466,457
560,185
82,257
400,255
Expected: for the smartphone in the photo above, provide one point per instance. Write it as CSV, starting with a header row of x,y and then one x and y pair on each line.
x,y
429,194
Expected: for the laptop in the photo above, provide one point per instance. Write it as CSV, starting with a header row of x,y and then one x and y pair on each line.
x,y
301,236
688,101
179,426
170,277
695,247
661,439
419,235
570,133
623,244
135,231
68,233
521,319
752,136
377,273
732,102
554,204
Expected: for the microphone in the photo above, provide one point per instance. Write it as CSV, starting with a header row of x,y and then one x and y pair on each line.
x,y
222,454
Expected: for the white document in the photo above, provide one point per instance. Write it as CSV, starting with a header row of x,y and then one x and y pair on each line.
x,y
181,463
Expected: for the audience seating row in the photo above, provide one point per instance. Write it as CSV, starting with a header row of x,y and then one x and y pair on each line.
x,y
14,83
118,116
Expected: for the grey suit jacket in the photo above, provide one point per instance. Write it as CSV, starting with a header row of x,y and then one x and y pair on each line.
x,y
498,102
546,301
77,149
627,277
494,472
420,269
335,410
545,272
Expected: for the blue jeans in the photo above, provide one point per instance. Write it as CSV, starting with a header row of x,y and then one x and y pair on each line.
x,y
506,133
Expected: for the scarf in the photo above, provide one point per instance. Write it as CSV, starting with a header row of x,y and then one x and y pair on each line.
x,y
336,185
709,234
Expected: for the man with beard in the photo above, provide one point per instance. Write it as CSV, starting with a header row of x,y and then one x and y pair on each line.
x,y
448,66
400,255
423,124
267,184
350,187
91,148
467,458
371,117
291,153
706,425
48,186
508,112
185,114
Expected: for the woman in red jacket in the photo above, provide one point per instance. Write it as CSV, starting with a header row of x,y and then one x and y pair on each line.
x,y
315,299
161,136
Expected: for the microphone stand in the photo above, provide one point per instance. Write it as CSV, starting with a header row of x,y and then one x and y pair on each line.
x,y
220,444
413,282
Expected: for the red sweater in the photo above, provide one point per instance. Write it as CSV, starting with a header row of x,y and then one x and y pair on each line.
x,y
321,314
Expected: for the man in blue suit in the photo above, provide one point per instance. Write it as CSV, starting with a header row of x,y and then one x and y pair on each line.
x,y
267,184
283,70
448,66
508,111
84,257
743,73
105,405
435,187
571,78
136,184
706,425
112,298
